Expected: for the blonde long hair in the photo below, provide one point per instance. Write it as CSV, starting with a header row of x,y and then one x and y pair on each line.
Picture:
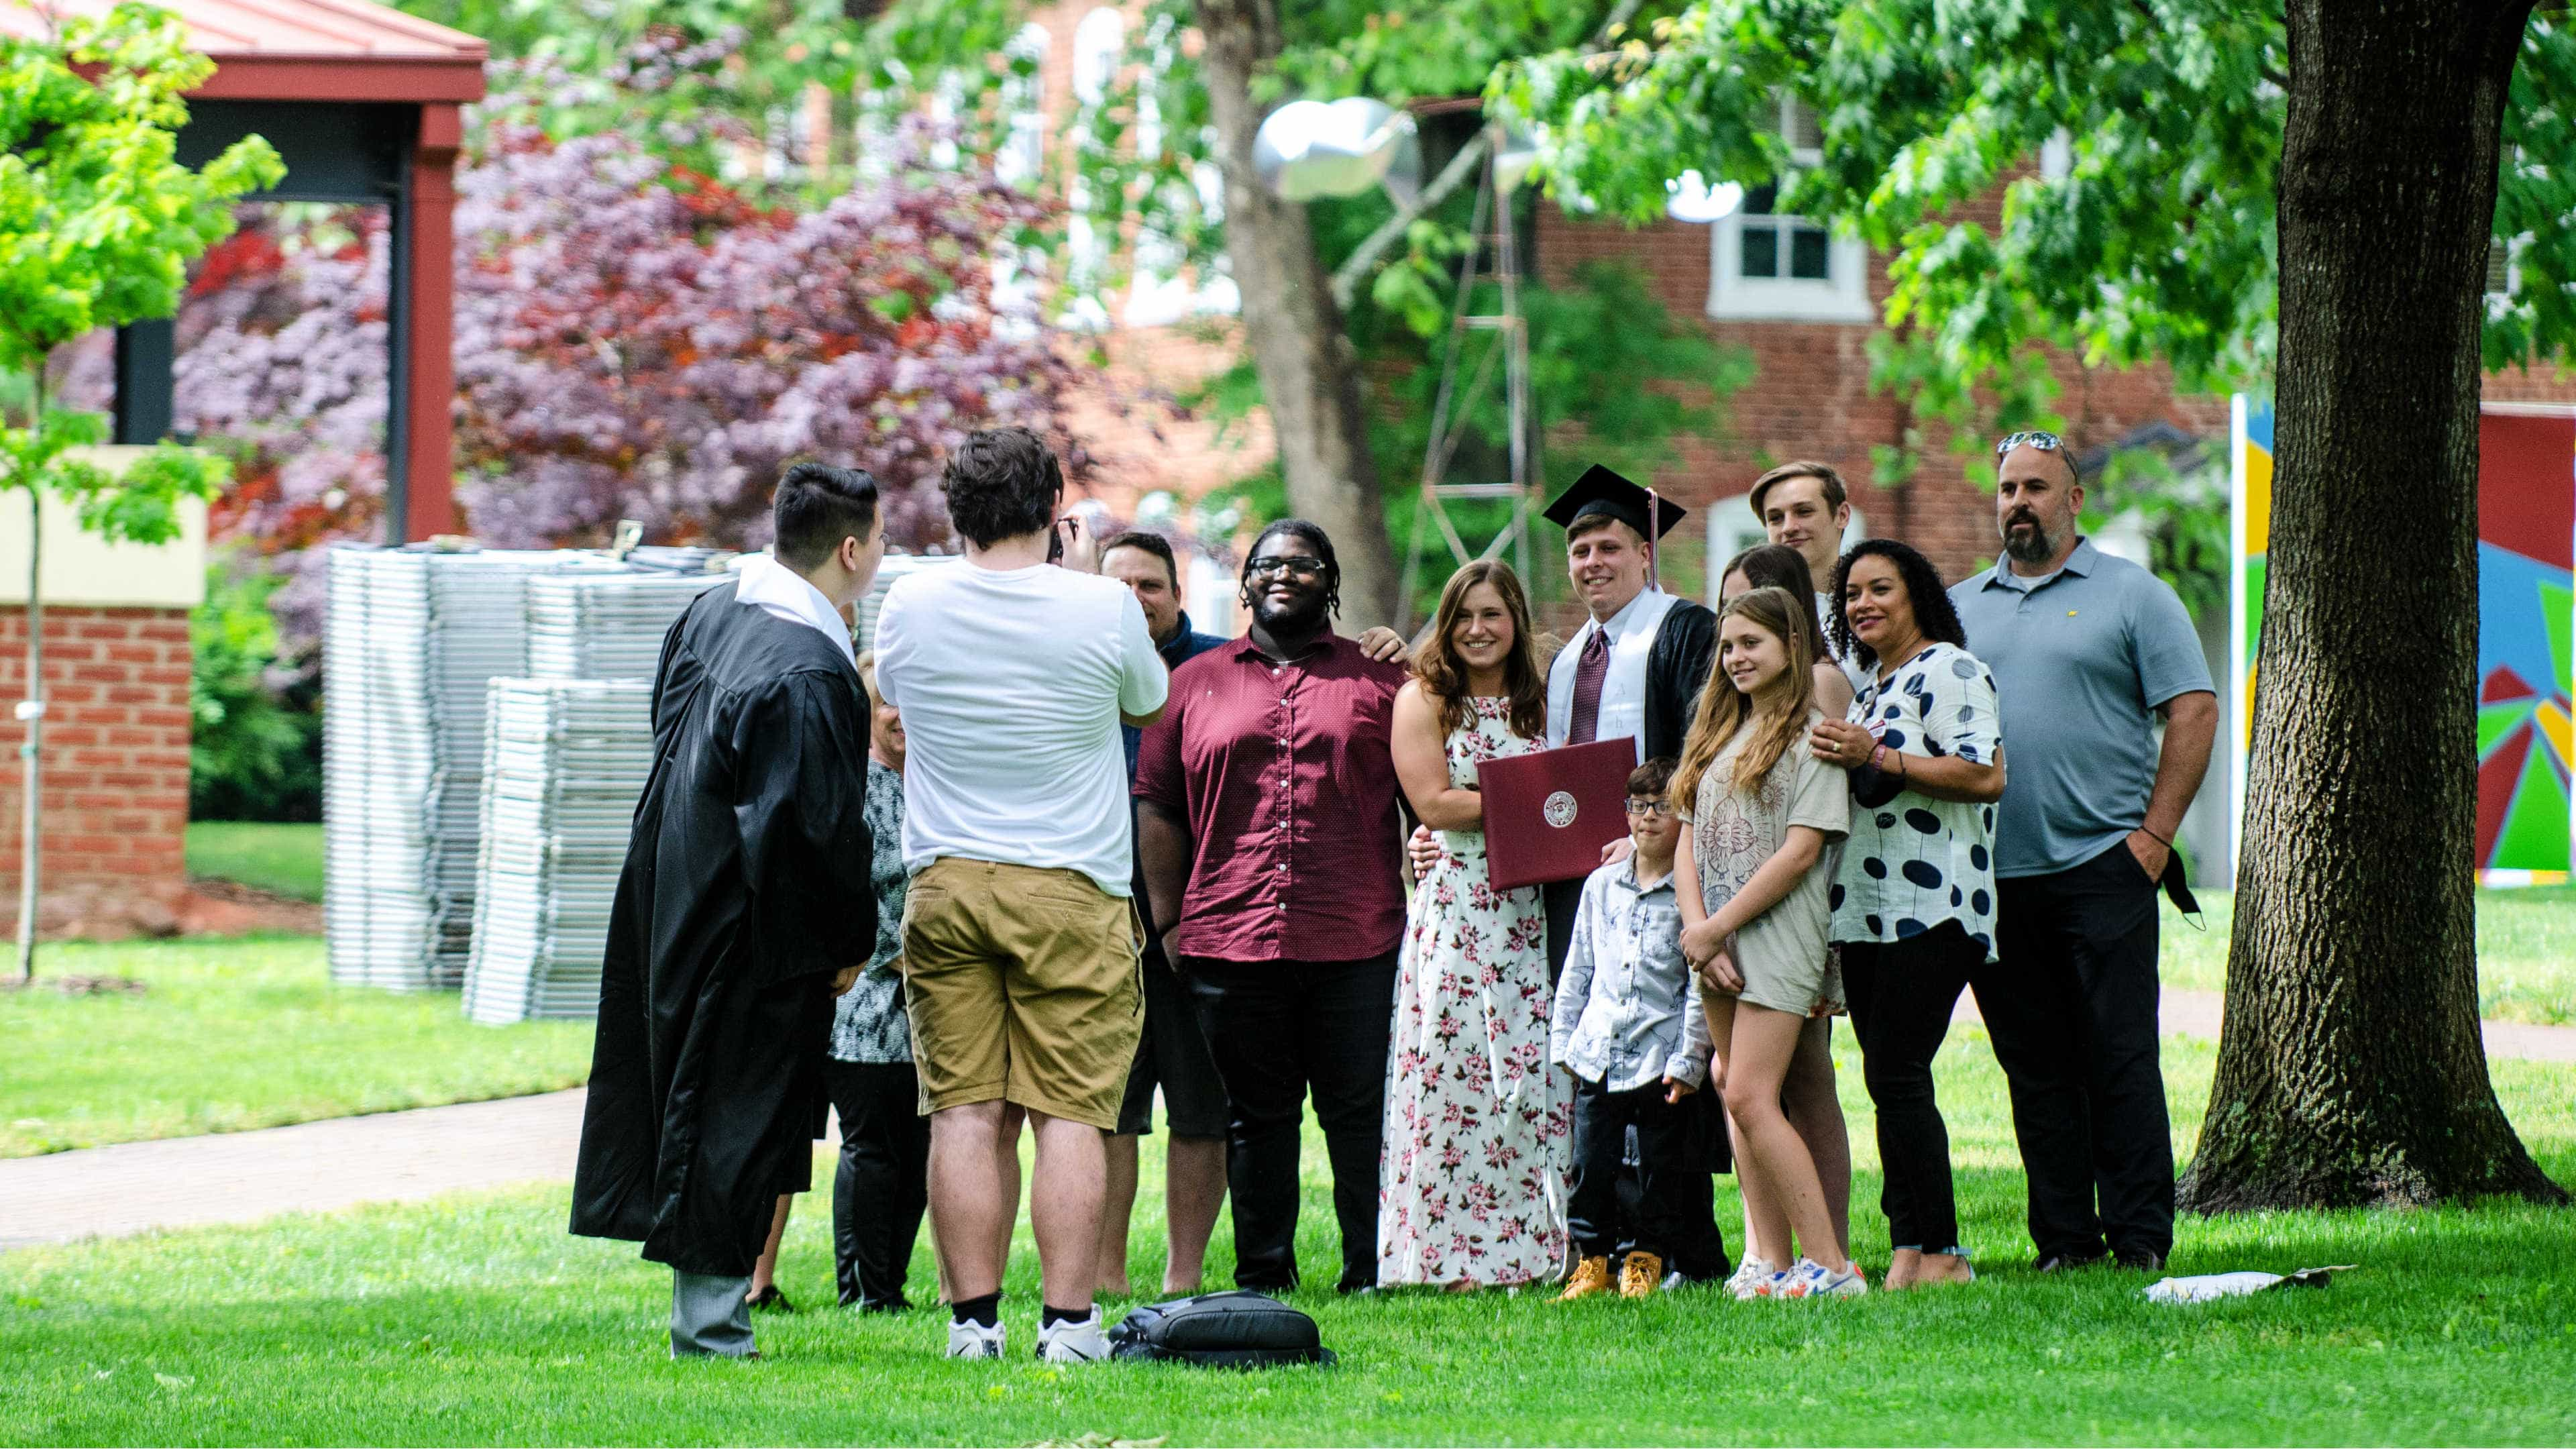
x,y
1444,674
1779,712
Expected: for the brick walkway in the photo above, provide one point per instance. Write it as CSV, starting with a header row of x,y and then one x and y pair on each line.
x,y
235,1177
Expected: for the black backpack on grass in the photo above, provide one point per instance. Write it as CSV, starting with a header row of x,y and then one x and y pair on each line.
x,y
1238,1329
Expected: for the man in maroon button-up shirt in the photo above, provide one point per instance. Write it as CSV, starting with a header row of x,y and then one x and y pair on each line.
x,y
1269,832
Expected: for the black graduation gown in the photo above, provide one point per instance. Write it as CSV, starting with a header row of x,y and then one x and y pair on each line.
x,y
745,887
1677,668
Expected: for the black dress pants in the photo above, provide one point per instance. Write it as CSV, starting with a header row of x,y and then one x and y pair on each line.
x,y
1279,1030
1664,1173
1901,995
1699,1247
2072,1010
883,1185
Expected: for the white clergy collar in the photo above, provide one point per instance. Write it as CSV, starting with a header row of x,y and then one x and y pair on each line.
x,y
783,593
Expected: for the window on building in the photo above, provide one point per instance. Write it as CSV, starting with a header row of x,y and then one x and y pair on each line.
x,y
1164,288
1022,152
1770,264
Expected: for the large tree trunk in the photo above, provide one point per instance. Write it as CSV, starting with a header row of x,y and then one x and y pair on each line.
x,y
1309,371
2350,1069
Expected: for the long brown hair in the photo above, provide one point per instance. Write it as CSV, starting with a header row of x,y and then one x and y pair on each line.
x,y
1779,713
1444,674
1777,565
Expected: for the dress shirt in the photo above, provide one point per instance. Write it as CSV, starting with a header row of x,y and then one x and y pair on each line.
x,y
1623,689
781,592
1282,772
1627,1009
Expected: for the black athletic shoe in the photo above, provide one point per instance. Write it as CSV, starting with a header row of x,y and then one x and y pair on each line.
x,y
2067,1262
2142,1260
770,1300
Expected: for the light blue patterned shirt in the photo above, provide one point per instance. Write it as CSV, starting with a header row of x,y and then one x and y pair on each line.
x,y
868,1024
1627,1010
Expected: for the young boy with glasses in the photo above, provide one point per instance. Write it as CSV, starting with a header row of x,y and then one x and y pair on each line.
x,y
1628,1027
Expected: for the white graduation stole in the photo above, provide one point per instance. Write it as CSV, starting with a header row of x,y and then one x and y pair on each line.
x,y
1623,685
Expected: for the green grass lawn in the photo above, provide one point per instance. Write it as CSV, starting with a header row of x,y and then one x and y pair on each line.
x,y
2526,952
284,860
233,1033
476,1320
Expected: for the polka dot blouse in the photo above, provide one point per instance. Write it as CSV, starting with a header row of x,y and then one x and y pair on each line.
x,y
1914,862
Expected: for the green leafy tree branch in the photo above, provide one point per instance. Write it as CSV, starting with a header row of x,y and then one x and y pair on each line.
x,y
98,221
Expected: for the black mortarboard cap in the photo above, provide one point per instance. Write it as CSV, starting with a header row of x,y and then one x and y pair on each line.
x,y
1600,491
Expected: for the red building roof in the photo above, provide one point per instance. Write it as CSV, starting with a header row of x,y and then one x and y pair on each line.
x,y
304,50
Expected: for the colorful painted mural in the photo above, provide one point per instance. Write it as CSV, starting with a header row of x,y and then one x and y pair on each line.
x,y
2526,628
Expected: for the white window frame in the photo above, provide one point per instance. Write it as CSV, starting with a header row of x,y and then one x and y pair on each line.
x,y
1020,159
2499,303
1160,290
1842,295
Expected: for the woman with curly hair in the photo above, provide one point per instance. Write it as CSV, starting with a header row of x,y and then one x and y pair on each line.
x,y
1914,902
1476,1123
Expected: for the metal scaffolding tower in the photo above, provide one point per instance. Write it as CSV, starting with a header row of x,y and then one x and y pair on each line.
x,y
1492,255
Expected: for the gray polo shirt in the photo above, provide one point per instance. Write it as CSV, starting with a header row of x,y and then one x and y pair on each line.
x,y
2081,659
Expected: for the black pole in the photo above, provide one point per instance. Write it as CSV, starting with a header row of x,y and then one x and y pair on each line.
x,y
144,354
398,363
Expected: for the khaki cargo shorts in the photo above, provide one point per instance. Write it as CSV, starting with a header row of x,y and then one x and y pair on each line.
x,y
1023,985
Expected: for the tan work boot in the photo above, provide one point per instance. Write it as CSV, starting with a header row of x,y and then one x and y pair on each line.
x,y
1641,1275
1590,1276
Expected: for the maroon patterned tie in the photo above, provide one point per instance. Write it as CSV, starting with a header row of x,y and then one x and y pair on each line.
x,y
1589,670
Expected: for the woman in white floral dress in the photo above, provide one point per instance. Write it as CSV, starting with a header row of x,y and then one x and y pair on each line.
x,y
1471,1191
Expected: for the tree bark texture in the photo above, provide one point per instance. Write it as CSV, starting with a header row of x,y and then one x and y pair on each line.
x,y
1309,371
2351,1071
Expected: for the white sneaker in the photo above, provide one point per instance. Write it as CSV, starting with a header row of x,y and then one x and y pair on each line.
x,y
974,1340
1750,1275
1074,1340
1811,1279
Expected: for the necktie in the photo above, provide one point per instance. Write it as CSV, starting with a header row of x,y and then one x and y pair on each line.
x,y
1589,670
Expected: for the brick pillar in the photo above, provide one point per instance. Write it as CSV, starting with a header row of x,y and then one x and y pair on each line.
x,y
116,750
429,376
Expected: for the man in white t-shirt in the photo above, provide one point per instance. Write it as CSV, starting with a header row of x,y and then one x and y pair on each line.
x,y
1019,942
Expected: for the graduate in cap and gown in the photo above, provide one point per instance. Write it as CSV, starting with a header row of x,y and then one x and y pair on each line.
x,y
744,907
1634,670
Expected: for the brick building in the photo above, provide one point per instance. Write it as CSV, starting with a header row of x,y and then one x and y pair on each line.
x,y
117,663
1802,303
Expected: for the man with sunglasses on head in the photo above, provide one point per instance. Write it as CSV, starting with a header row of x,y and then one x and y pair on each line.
x,y
2087,651
1269,830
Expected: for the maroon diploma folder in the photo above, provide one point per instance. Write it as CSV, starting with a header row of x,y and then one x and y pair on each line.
x,y
1548,814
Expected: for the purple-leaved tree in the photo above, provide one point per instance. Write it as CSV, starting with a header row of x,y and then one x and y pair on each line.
x,y
633,340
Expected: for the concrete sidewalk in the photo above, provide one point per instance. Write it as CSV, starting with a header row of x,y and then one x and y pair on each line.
x,y
238,1177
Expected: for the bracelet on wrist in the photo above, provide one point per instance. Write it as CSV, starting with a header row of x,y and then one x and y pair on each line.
x,y
2158,839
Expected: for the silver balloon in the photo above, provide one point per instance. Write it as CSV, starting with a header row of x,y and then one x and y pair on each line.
x,y
1689,197
1403,178
1310,149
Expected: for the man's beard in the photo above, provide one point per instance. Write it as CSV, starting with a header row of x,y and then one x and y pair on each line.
x,y
2032,547
1298,618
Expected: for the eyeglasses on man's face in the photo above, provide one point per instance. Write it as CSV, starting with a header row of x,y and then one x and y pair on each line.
x,y
1648,809
1272,566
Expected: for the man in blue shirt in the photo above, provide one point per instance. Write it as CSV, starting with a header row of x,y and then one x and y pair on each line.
x,y
1174,1051
2086,650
